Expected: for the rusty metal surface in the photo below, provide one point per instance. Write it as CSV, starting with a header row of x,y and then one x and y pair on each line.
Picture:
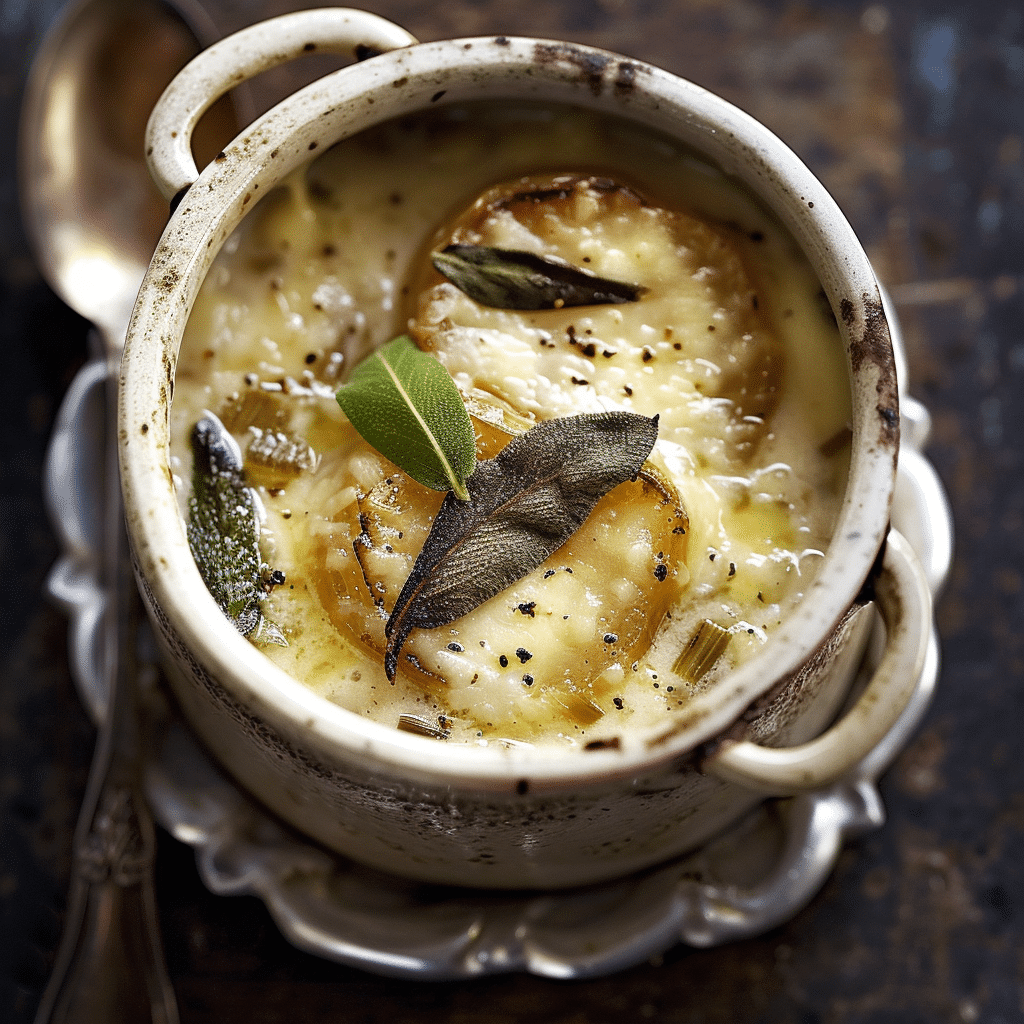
x,y
914,117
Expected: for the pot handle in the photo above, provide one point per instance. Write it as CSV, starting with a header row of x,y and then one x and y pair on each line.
x,y
904,599
238,57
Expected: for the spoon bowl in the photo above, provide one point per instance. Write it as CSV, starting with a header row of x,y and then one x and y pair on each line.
x,y
90,208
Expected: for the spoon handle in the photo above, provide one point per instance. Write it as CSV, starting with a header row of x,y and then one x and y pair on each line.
x,y
110,964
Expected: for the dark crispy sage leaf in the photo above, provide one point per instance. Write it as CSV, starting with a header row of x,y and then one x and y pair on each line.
x,y
405,403
224,529
512,279
523,505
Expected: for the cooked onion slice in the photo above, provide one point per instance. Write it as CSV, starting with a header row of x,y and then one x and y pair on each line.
x,y
698,347
552,648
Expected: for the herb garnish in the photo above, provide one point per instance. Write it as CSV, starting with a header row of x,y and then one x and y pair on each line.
x,y
223,531
404,403
523,505
513,279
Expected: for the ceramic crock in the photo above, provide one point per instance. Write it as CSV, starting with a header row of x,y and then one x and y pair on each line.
x,y
488,817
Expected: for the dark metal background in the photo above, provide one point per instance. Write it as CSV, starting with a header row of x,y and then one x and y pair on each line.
x,y
912,113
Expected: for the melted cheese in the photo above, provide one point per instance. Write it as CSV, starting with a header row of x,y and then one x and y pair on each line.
x,y
729,344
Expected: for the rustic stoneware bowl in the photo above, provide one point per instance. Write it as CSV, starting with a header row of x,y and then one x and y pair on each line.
x,y
491,817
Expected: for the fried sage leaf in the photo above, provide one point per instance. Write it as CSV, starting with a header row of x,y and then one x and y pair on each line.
x,y
513,279
523,505
405,403
224,530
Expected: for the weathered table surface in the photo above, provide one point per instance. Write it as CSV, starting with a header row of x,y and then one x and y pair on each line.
x,y
914,118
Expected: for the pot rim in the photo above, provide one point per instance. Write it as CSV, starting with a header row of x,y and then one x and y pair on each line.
x,y
345,102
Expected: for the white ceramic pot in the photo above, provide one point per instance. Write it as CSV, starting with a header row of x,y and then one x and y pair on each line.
x,y
467,815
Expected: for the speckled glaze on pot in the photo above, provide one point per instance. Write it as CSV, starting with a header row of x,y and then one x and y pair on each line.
x,y
493,817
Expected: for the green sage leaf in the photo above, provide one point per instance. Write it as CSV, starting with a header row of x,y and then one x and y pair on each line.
x,y
512,279
223,531
405,403
523,505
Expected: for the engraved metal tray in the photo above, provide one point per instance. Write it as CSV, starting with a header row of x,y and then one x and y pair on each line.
x,y
755,876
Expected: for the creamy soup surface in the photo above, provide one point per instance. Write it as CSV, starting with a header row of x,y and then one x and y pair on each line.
x,y
676,576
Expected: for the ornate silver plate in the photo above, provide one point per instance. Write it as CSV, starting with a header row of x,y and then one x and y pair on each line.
x,y
752,878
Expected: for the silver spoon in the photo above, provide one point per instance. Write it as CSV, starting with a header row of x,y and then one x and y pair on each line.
x,y
94,218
